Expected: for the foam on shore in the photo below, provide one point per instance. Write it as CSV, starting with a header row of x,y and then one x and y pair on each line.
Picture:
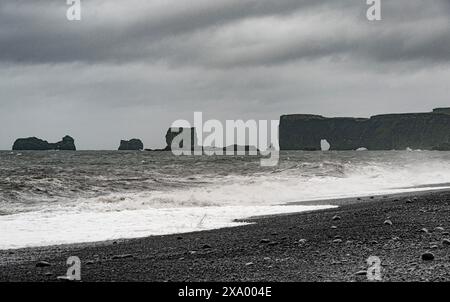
x,y
31,230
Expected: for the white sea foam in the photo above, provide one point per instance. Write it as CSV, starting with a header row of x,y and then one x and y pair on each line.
x,y
279,188
29,229
171,201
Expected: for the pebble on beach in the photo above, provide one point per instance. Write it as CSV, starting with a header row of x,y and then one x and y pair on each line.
x,y
43,264
427,257
302,241
415,249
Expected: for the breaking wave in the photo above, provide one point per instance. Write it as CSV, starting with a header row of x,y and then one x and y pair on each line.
x,y
49,198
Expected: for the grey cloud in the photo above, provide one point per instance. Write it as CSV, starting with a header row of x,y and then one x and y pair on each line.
x,y
130,68
190,34
38,32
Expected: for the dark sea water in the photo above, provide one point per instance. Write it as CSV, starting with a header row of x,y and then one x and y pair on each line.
x,y
64,197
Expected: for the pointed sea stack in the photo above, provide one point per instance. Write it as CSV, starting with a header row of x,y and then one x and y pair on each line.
x,y
185,132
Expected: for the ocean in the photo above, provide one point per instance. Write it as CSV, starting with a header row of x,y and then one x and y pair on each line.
x,y
49,198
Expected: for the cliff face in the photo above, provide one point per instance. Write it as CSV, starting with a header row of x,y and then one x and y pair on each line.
x,y
133,144
67,143
36,144
442,110
428,131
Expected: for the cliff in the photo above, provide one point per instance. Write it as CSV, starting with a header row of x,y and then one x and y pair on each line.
x,y
428,131
36,144
133,144
442,110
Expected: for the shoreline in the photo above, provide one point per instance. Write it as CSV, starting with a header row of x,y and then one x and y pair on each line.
x,y
270,249
252,219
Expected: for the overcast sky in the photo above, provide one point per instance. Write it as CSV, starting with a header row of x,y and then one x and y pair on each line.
x,y
130,68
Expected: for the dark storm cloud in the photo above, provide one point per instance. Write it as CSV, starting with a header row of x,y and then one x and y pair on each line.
x,y
112,30
130,68
219,33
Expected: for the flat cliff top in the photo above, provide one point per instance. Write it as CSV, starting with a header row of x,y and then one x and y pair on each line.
x,y
317,117
378,116
409,115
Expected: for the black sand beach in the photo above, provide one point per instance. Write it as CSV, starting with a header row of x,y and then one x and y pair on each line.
x,y
314,246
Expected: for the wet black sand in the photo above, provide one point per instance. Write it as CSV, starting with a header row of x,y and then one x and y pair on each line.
x,y
298,247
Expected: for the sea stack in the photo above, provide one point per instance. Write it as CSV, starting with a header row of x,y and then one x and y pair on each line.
x,y
131,145
36,144
186,132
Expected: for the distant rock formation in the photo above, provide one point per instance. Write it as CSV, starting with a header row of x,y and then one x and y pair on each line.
x,y
245,148
442,110
426,131
174,132
133,144
67,143
36,144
